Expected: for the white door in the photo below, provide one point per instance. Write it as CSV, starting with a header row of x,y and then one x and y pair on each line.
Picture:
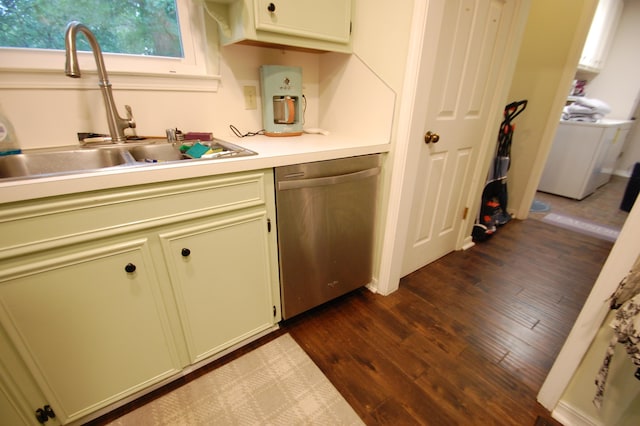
x,y
466,49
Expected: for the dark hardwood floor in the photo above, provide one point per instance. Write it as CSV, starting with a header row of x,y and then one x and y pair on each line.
x,y
466,340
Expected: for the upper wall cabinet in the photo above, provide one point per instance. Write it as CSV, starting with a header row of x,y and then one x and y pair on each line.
x,y
302,24
600,36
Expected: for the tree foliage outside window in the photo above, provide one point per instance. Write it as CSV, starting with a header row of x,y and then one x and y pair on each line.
x,y
136,27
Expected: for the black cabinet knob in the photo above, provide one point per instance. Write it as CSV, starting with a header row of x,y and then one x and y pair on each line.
x,y
130,268
41,416
186,252
49,412
271,7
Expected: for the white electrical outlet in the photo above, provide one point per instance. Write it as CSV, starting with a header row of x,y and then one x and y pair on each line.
x,y
250,97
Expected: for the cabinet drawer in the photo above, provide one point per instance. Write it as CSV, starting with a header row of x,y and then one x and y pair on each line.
x,y
47,223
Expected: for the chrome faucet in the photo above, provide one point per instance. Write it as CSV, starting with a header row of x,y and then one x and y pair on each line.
x,y
116,123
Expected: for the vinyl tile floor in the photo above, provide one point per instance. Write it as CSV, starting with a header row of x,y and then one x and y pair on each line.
x,y
601,207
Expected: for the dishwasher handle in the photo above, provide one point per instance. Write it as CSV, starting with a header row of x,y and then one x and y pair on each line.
x,y
328,180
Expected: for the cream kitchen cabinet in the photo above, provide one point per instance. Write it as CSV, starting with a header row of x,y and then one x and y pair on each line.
x,y
104,295
10,414
14,406
224,261
603,27
20,397
306,24
89,323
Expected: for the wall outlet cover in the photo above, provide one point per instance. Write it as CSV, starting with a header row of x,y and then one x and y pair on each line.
x,y
250,101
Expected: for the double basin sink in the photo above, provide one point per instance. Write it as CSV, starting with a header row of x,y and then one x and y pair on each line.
x,y
41,163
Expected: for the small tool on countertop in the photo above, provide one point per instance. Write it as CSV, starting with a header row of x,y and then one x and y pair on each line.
x,y
174,135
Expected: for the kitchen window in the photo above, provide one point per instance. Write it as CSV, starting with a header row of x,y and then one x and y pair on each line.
x,y
154,44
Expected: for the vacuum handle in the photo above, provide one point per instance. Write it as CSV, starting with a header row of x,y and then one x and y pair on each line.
x,y
512,110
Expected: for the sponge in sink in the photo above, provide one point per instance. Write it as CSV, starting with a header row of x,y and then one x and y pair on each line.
x,y
196,150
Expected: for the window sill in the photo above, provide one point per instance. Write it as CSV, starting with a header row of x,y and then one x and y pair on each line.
x,y
56,80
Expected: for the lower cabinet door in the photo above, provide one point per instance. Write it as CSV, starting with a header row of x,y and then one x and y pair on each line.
x,y
10,413
89,323
220,274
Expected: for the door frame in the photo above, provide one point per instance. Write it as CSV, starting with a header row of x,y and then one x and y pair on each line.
x,y
404,153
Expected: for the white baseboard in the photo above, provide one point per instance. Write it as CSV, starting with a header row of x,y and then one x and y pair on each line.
x,y
622,173
373,285
571,416
468,243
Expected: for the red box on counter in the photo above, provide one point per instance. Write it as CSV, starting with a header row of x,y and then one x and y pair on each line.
x,y
198,136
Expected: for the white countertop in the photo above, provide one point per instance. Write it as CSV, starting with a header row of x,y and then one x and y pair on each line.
x,y
603,122
272,152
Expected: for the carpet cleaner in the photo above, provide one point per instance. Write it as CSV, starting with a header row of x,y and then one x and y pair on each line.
x,y
493,210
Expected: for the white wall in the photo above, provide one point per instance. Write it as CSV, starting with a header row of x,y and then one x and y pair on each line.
x,y
546,65
622,394
618,84
52,117
575,406
381,37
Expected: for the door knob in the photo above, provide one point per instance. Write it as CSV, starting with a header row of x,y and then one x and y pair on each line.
x,y
431,137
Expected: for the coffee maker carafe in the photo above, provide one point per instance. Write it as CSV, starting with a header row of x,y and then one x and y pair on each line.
x,y
281,100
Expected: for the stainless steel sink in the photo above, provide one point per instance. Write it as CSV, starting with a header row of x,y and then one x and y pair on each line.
x,y
49,162
160,153
170,152
53,162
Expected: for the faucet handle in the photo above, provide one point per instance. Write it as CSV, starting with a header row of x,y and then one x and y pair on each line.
x,y
130,120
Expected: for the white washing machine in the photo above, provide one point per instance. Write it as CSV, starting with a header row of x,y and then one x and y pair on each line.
x,y
583,157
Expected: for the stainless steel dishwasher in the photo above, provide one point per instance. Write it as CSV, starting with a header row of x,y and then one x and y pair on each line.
x,y
326,214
